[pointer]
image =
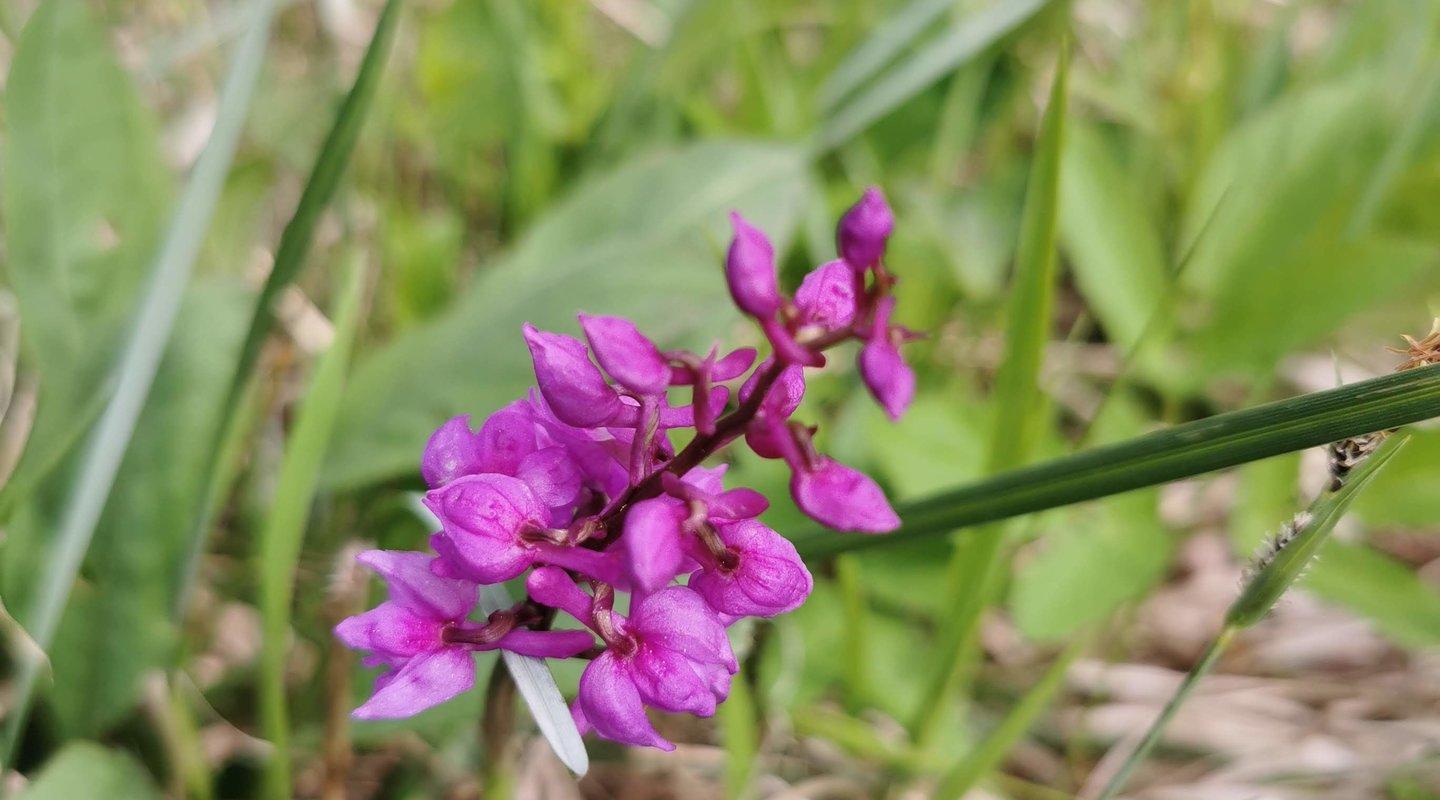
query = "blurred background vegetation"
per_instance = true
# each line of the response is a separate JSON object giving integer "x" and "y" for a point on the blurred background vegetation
{"x": 1248, "y": 188}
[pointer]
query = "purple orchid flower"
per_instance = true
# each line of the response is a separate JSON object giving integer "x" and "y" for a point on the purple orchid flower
{"x": 420, "y": 633}
{"x": 757, "y": 574}
{"x": 671, "y": 653}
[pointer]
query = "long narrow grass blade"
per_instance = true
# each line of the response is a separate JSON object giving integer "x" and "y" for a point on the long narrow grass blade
{"x": 1018, "y": 402}
{"x": 284, "y": 531}
{"x": 1262, "y": 590}
{"x": 532, "y": 677}
{"x": 139, "y": 359}
{"x": 295, "y": 242}
{"x": 1182, "y": 451}
{"x": 888, "y": 40}
{"x": 985, "y": 757}
{"x": 964, "y": 40}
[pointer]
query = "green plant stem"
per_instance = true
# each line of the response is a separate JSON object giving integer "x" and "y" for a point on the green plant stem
{"x": 984, "y": 758}
{"x": 138, "y": 362}
{"x": 1212, "y": 653}
{"x": 852, "y": 597}
{"x": 1262, "y": 590}
{"x": 284, "y": 531}
{"x": 975, "y": 571}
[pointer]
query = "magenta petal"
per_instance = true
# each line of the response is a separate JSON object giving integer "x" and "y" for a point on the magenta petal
{"x": 733, "y": 365}
{"x": 750, "y": 270}
{"x": 785, "y": 393}
{"x": 843, "y": 498}
{"x": 768, "y": 579}
{"x": 610, "y": 705}
{"x": 572, "y": 385}
{"x": 827, "y": 296}
{"x": 864, "y": 229}
{"x": 678, "y": 619}
{"x": 506, "y": 438}
{"x": 667, "y": 680}
{"x": 631, "y": 359}
{"x": 553, "y": 587}
{"x": 428, "y": 679}
{"x": 552, "y": 476}
{"x": 545, "y": 644}
{"x": 652, "y": 542}
{"x": 737, "y": 504}
{"x": 453, "y": 450}
{"x": 483, "y": 517}
{"x": 390, "y": 631}
{"x": 414, "y": 586}
{"x": 887, "y": 376}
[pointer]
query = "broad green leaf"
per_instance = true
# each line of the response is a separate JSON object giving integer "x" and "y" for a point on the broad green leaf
{"x": 118, "y": 626}
{"x": 645, "y": 241}
{"x": 85, "y": 194}
{"x": 285, "y": 524}
{"x": 144, "y": 345}
{"x": 87, "y": 771}
{"x": 1110, "y": 235}
{"x": 961, "y": 41}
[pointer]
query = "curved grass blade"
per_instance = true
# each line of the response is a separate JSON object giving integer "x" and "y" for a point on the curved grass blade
{"x": 284, "y": 531}
{"x": 1260, "y": 594}
{"x": 139, "y": 359}
{"x": 1019, "y": 404}
{"x": 962, "y": 41}
{"x": 532, "y": 677}
{"x": 1182, "y": 451}
{"x": 289, "y": 258}
{"x": 880, "y": 48}
{"x": 987, "y": 755}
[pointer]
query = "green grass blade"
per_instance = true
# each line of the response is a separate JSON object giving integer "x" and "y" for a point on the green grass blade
{"x": 1018, "y": 402}
{"x": 1260, "y": 593}
{"x": 138, "y": 361}
{"x": 1182, "y": 451}
{"x": 289, "y": 259}
{"x": 984, "y": 758}
{"x": 893, "y": 37}
{"x": 1274, "y": 578}
{"x": 962, "y": 41}
{"x": 284, "y": 531}
{"x": 1192, "y": 679}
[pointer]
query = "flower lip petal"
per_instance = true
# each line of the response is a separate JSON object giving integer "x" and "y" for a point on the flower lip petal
{"x": 427, "y": 680}
{"x": 414, "y": 586}
{"x": 609, "y": 704}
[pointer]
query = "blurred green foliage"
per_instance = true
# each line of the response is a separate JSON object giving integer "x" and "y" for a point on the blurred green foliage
{"x": 1241, "y": 186}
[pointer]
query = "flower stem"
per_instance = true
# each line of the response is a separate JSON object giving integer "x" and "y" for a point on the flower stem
{"x": 1207, "y": 660}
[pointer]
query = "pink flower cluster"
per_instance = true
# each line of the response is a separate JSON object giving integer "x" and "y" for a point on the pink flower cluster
{"x": 579, "y": 484}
